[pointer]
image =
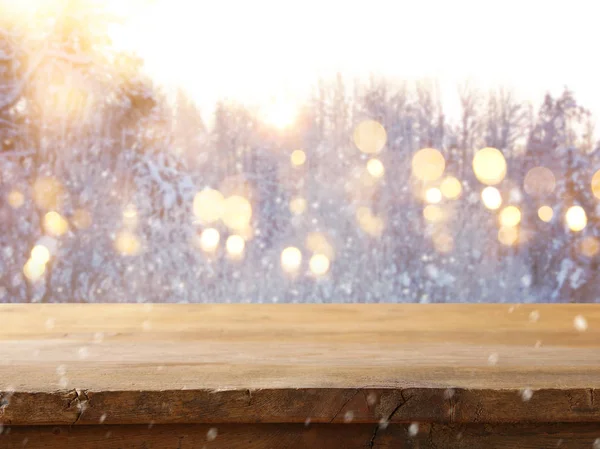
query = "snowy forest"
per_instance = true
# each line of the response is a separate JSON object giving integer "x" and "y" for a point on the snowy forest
{"x": 111, "y": 190}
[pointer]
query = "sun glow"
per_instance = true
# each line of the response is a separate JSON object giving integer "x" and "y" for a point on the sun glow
{"x": 250, "y": 74}
{"x": 280, "y": 114}
{"x": 184, "y": 45}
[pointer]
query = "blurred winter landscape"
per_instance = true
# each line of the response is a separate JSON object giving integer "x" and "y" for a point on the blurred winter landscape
{"x": 114, "y": 188}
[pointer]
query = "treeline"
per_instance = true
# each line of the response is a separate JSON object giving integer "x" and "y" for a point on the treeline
{"x": 99, "y": 172}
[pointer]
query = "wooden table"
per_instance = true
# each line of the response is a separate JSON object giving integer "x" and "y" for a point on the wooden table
{"x": 299, "y": 376}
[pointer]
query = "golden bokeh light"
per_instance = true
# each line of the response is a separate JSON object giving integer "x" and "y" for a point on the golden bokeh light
{"x": 375, "y": 168}
{"x": 539, "y": 181}
{"x": 443, "y": 242}
{"x": 316, "y": 242}
{"x": 319, "y": 264}
{"x": 428, "y": 164}
{"x": 40, "y": 254}
{"x": 545, "y": 213}
{"x": 491, "y": 198}
{"x": 130, "y": 211}
{"x": 370, "y": 136}
{"x": 237, "y": 212}
{"x": 297, "y": 205}
{"x": 291, "y": 259}
{"x": 368, "y": 222}
{"x": 54, "y": 224}
{"x": 433, "y": 214}
{"x": 130, "y": 216}
{"x": 451, "y": 187}
{"x": 47, "y": 193}
{"x": 489, "y": 166}
{"x": 576, "y": 218}
{"x": 596, "y": 184}
{"x": 82, "y": 219}
{"x": 235, "y": 246}
{"x": 209, "y": 240}
{"x": 510, "y": 216}
{"x": 508, "y": 235}
{"x": 33, "y": 271}
{"x": 208, "y": 206}
{"x": 298, "y": 158}
{"x": 589, "y": 246}
{"x": 433, "y": 195}
{"x": 127, "y": 243}
{"x": 15, "y": 199}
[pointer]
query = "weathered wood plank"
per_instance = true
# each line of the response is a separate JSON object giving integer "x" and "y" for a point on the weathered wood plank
{"x": 299, "y": 436}
{"x": 296, "y": 405}
{"x": 66, "y": 364}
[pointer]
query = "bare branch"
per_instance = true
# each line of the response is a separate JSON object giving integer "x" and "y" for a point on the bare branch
{"x": 15, "y": 96}
{"x": 10, "y": 154}
{"x": 75, "y": 59}
{"x": 7, "y": 123}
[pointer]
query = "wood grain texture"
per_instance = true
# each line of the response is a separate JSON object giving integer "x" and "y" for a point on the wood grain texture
{"x": 68, "y": 364}
{"x": 296, "y": 405}
{"x": 298, "y": 436}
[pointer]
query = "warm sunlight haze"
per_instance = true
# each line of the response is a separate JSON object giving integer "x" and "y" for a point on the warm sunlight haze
{"x": 272, "y": 52}
{"x": 266, "y": 56}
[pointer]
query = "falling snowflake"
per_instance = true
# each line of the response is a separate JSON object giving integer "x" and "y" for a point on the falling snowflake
{"x": 98, "y": 337}
{"x": 50, "y": 323}
{"x": 526, "y": 394}
{"x": 212, "y": 433}
{"x": 371, "y": 398}
{"x": 580, "y": 323}
{"x": 413, "y": 429}
{"x": 83, "y": 352}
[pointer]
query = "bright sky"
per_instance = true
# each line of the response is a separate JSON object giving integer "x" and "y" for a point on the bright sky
{"x": 253, "y": 49}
